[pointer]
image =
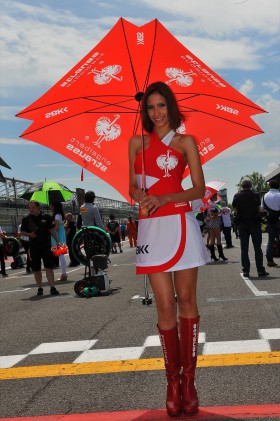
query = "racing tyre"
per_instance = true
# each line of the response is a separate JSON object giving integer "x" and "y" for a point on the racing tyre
{"x": 90, "y": 241}
{"x": 11, "y": 246}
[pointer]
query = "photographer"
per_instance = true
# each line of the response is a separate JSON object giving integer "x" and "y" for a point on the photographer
{"x": 246, "y": 204}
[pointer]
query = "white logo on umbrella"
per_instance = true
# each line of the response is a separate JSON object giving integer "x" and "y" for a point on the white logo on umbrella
{"x": 179, "y": 76}
{"x": 105, "y": 75}
{"x": 167, "y": 162}
{"x": 107, "y": 130}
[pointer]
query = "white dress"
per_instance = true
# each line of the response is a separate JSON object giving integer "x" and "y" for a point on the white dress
{"x": 170, "y": 239}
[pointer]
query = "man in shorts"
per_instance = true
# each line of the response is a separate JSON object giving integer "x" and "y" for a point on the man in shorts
{"x": 39, "y": 228}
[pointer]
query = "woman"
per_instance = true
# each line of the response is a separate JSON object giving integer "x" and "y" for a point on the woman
{"x": 169, "y": 238}
{"x": 58, "y": 218}
{"x": 70, "y": 231}
{"x": 214, "y": 226}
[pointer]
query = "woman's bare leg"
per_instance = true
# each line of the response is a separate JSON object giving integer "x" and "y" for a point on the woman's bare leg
{"x": 162, "y": 286}
{"x": 185, "y": 282}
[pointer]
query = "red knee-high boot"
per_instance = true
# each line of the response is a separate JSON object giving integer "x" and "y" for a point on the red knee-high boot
{"x": 171, "y": 352}
{"x": 189, "y": 329}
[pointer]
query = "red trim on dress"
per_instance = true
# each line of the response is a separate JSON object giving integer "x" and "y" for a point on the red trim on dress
{"x": 141, "y": 270}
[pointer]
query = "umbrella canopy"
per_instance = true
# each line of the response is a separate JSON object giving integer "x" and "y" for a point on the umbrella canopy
{"x": 46, "y": 192}
{"x": 90, "y": 113}
{"x": 211, "y": 188}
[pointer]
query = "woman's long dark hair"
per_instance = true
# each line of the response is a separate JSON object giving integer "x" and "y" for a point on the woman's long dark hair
{"x": 57, "y": 208}
{"x": 174, "y": 114}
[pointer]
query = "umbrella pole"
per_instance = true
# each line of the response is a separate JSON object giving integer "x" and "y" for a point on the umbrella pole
{"x": 148, "y": 297}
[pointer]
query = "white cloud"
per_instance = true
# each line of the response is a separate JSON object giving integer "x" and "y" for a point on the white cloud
{"x": 55, "y": 165}
{"x": 8, "y": 112}
{"x": 19, "y": 142}
{"x": 272, "y": 86}
{"x": 270, "y": 123}
{"x": 220, "y": 18}
{"x": 44, "y": 46}
{"x": 47, "y": 43}
{"x": 240, "y": 54}
{"x": 271, "y": 166}
{"x": 247, "y": 87}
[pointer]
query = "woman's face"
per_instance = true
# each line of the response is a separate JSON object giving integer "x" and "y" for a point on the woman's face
{"x": 157, "y": 110}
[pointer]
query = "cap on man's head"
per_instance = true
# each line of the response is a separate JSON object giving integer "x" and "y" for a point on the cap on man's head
{"x": 246, "y": 182}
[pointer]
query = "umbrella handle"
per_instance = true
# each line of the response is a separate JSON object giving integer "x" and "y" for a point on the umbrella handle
{"x": 144, "y": 188}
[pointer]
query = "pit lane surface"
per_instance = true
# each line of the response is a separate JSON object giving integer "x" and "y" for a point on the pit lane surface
{"x": 75, "y": 358}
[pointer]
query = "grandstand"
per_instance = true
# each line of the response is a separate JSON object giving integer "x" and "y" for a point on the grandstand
{"x": 13, "y": 208}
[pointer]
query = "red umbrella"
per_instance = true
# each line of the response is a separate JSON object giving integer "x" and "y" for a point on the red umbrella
{"x": 90, "y": 113}
{"x": 211, "y": 188}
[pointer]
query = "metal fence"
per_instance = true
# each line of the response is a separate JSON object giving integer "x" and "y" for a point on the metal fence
{"x": 13, "y": 208}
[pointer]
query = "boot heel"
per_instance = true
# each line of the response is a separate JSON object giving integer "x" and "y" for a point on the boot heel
{"x": 212, "y": 253}
{"x": 221, "y": 253}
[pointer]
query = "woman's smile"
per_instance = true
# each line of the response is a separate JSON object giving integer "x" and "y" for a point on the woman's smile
{"x": 157, "y": 110}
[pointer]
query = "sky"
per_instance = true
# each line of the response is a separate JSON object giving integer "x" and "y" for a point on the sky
{"x": 42, "y": 40}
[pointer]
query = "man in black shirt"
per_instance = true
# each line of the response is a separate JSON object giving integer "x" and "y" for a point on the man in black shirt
{"x": 39, "y": 228}
{"x": 113, "y": 228}
{"x": 246, "y": 204}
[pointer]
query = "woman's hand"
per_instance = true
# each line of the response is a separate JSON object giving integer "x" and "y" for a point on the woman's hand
{"x": 152, "y": 202}
{"x": 139, "y": 195}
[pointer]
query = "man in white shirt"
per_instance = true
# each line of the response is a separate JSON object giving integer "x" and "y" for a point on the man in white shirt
{"x": 271, "y": 205}
{"x": 227, "y": 223}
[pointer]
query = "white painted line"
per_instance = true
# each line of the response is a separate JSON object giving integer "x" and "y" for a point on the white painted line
{"x": 15, "y": 290}
{"x": 9, "y": 361}
{"x": 255, "y": 290}
{"x": 201, "y": 337}
{"x": 136, "y": 297}
{"x": 71, "y": 346}
{"x": 155, "y": 341}
{"x": 152, "y": 341}
{"x": 252, "y": 287}
{"x": 269, "y": 333}
{"x": 236, "y": 347}
{"x": 116, "y": 354}
{"x": 124, "y": 264}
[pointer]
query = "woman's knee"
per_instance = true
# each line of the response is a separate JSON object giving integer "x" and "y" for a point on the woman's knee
{"x": 167, "y": 308}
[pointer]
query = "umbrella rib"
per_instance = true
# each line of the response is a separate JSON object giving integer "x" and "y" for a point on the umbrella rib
{"x": 136, "y": 121}
{"x": 127, "y": 110}
{"x": 192, "y": 95}
{"x": 151, "y": 58}
{"x": 75, "y": 99}
{"x": 222, "y": 118}
{"x": 130, "y": 59}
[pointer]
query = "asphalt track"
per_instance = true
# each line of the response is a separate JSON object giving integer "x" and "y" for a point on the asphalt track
{"x": 69, "y": 358}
